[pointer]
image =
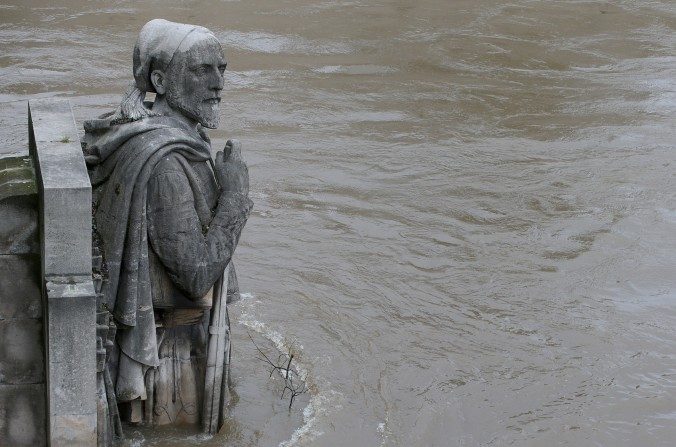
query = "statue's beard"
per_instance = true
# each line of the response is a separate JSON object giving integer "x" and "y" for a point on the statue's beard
{"x": 204, "y": 112}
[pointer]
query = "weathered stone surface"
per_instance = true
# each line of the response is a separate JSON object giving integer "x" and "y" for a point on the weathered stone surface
{"x": 65, "y": 188}
{"x": 21, "y": 351}
{"x": 19, "y": 225}
{"x": 13, "y": 129}
{"x": 22, "y": 368}
{"x": 168, "y": 219}
{"x": 22, "y": 415}
{"x": 80, "y": 286}
{"x": 67, "y": 231}
{"x": 17, "y": 176}
{"x": 65, "y": 219}
{"x": 20, "y": 295}
{"x": 70, "y": 430}
{"x": 72, "y": 361}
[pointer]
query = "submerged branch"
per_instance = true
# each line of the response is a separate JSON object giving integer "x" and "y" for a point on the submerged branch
{"x": 295, "y": 389}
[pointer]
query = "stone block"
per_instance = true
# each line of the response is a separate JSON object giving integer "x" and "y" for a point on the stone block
{"x": 65, "y": 201}
{"x": 67, "y": 231}
{"x": 71, "y": 313}
{"x": 19, "y": 225}
{"x": 69, "y": 430}
{"x": 21, "y": 351}
{"x": 20, "y": 294}
{"x": 22, "y": 415}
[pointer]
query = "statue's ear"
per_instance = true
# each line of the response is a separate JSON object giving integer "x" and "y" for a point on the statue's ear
{"x": 159, "y": 81}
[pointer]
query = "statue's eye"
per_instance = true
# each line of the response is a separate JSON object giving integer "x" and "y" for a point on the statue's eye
{"x": 222, "y": 67}
{"x": 201, "y": 69}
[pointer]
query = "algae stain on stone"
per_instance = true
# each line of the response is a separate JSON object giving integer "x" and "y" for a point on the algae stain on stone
{"x": 17, "y": 177}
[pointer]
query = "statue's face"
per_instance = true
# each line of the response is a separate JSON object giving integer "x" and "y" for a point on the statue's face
{"x": 195, "y": 81}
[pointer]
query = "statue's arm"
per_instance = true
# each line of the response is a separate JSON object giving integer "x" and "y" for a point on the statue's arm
{"x": 194, "y": 257}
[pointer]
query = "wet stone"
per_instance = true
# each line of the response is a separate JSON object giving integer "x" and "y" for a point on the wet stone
{"x": 21, "y": 351}
{"x": 19, "y": 287}
{"x": 18, "y": 229}
{"x": 69, "y": 305}
{"x": 22, "y": 415}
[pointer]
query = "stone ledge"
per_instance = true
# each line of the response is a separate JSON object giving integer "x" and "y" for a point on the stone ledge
{"x": 69, "y": 287}
{"x": 17, "y": 177}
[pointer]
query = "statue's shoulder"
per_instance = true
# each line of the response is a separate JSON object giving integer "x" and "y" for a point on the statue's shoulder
{"x": 169, "y": 164}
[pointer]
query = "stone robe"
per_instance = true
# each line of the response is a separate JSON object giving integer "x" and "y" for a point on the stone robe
{"x": 167, "y": 234}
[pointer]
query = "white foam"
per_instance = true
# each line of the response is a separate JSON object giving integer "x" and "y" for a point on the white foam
{"x": 383, "y": 431}
{"x": 367, "y": 69}
{"x": 320, "y": 402}
{"x": 668, "y": 215}
{"x": 246, "y": 296}
{"x": 318, "y": 407}
{"x": 260, "y": 42}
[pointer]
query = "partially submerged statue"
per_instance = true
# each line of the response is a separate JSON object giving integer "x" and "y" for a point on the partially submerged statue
{"x": 167, "y": 219}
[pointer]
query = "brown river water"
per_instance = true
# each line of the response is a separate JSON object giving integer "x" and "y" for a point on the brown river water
{"x": 465, "y": 218}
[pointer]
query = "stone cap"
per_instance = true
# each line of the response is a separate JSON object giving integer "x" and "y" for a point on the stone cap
{"x": 64, "y": 187}
{"x": 54, "y": 132}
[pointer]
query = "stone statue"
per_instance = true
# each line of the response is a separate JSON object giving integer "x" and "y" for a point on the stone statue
{"x": 167, "y": 220}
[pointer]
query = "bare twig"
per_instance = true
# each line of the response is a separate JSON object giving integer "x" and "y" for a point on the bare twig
{"x": 295, "y": 389}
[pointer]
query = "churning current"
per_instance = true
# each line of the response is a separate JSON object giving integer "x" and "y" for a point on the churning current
{"x": 465, "y": 218}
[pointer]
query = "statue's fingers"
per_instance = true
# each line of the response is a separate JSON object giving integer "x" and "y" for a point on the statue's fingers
{"x": 219, "y": 158}
{"x": 236, "y": 151}
{"x": 228, "y": 150}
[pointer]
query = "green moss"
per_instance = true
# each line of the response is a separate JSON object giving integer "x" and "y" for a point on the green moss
{"x": 17, "y": 177}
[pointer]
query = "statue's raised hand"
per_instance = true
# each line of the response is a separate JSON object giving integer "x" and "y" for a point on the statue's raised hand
{"x": 231, "y": 170}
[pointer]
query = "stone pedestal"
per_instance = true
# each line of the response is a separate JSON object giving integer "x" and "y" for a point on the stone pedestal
{"x": 68, "y": 293}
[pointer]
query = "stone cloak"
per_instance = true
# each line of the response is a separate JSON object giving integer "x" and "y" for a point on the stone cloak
{"x": 122, "y": 158}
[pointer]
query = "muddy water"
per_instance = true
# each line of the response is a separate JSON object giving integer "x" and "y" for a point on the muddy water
{"x": 465, "y": 214}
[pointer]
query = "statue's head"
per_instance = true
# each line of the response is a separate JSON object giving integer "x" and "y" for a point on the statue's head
{"x": 183, "y": 64}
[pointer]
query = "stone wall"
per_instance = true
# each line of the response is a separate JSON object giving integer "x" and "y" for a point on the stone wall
{"x": 22, "y": 352}
{"x": 47, "y": 298}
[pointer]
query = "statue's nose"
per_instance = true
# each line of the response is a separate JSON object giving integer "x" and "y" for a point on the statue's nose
{"x": 219, "y": 81}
